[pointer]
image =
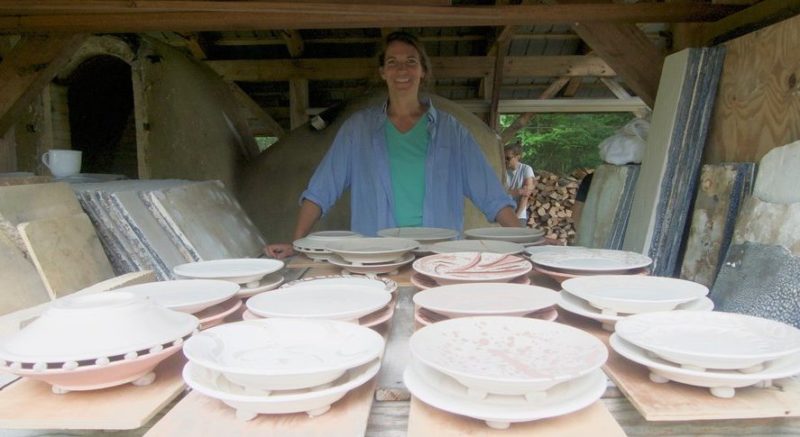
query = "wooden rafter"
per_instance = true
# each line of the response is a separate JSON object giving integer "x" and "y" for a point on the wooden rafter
{"x": 572, "y": 86}
{"x": 202, "y": 15}
{"x": 497, "y": 78}
{"x": 262, "y": 123}
{"x": 294, "y": 42}
{"x": 755, "y": 17}
{"x": 523, "y": 120}
{"x": 615, "y": 88}
{"x": 195, "y": 43}
{"x": 298, "y": 102}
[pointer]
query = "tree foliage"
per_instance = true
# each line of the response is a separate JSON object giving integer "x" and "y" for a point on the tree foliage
{"x": 562, "y": 142}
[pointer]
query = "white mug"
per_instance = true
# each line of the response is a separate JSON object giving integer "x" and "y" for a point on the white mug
{"x": 63, "y": 163}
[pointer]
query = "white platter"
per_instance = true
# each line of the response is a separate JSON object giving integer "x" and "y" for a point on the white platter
{"x": 333, "y": 302}
{"x": 284, "y": 354}
{"x": 499, "y": 299}
{"x": 215, "y": 315}
{"x": 371, "y": 269}
{"x": 239, "y": 270}
{"x": 632, "y": 294}
{"x": 491, "y": 246}
{"x": 420, "y": 234}
{"x": 378, "y": 250}
{"x": 575, "y": 305}
{"x": 459, "y": 267}
{"x": 248, "y": 406}
{"x": 515, "y": 235}
{"x": 185, "y": 295}
{"x": 96, "y": 326}
{"x": 324, "y": 236}
{"x": 267, "y": 283}
{"x": 583, "y": 259}
{"x": 507, "y": 355}
{"x": 721, "y": 382}
{"x": 425, "y": 317}
{"x": 444, "y": 393}
{"x": 385, "y": 283}
{"x": 714, "y": 340}
{"x": 423, "y": 282}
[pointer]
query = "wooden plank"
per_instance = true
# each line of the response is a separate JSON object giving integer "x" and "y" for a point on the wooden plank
{"x": 755, "y": 17}
{"x": 28, "y": 67}
{"x": 501, "y": 49}
{"x": 595, "y": 420}
{"x": 397, "y": 354}
{"x": 294, "y": 42}
{"x": 260, "y": 122}
{"x": 298, "y": 102}
{"x": 19, "y": 280}
{"x": 679, "y": 402}
{"x": 28, "y": 404}
{"x": 557, "y": 105}
{"x": 629, "y": 52}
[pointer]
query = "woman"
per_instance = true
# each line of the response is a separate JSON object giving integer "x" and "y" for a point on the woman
{"x": 520, "y": 181}
{"x": 406, "y": 163}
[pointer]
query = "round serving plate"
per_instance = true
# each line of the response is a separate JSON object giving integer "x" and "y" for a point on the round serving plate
{"x": 423, "y": 282}
{"x": 491, "y": 246}
{"x": 378, "y": 250}
{"x": 515, "y": 235}
{"x": 577, "y": 260}
{"x": 426, "y": 317}
{"x": 385, "y": 283}
{"x": 215, "y": 315}
{"x": 630, "y": 294}
{"x": 324, "y": 236}
{"x": 332, "y": 302}
{"x": 239, "y": 270}
{"x": 560, "y": 276}
{"x": 498, "y": 299}
{"x": 267, "y": 283}
{"x": 459, "y": 267}
{"x": 371, "y": 269}
{"x": 184, "y": 295}
{"x": 420, "y": 234}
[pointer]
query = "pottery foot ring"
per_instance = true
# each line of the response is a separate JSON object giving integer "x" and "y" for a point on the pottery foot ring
{"x": 146, "y": 379}
{"x": 723, "y": 392}
{"x": 318, "y": 411}
{"x": 497, "y": 425}
{"x": 658, "y": 379}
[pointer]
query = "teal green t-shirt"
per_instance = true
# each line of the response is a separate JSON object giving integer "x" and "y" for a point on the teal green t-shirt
{"x": 407, "y": 154}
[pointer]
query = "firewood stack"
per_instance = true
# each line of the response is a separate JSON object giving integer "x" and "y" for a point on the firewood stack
{"x": 550, "y": 207}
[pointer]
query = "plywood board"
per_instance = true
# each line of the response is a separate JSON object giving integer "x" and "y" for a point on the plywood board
{"x": 66, "y": 252}
{"x": 678, "y": 402}
{"x": 604, "y": 217}
{"x": 595, "y": 420}
{"x": 28, "y": 404}
{"x": 20, "y": 285}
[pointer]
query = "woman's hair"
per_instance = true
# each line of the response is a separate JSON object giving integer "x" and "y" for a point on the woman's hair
{"x": 411, "y": 40}
{"x": 515, "y": 148}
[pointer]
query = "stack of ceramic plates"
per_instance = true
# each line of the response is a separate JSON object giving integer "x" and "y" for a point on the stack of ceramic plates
{"x": 210, "y": 300}
{"x": 281, "y": 366}
{"x": 524, "y": 236}
{"x": 388, "y": 284}
{"x": 247, "y": 272}
{"x": 484, "y": 299}
{"x": 96, "y": 341}
{"x": 424, "y": 236}
{"x": 567, "y": 262}
{"x": 490, "y": 246}
{"x": 505, "y": 369}
{"x": 362, "y": 302}
{"x": 466, "y": 267}
{"x": 315, "y": 244}
{"x": 372, "y": 256}
{"x": 608, "y": 298}
{"x": 720, "y": 351}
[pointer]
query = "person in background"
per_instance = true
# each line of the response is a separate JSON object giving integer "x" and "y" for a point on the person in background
{"x": 520, "y": 181}
{"x": 405, "y": 162}
{"x": 580, "y": 197}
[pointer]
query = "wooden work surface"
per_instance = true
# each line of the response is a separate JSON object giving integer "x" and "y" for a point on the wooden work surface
{"x": 28, "y": 404}
{"x": 595, "y": 420}
{"x": 679, "y": 402}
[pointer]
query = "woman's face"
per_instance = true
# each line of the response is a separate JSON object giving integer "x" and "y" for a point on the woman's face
{"x": 512, "y": 160}
{"x": 402, "y": 68}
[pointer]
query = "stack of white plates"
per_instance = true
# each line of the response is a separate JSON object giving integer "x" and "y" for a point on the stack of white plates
{"x": 720, "y": 351}
{"x": 372, "y": 255}
{"x": 524, "y": 236}
{"x": 96, "y": 341}
{"x": 484, "y": 299}
{"x": 424, "y": 236}
{"x": 465, "y": 267}
{"x": 247, "y": 272}
{"x": 314, "y": 245}
{"x": 281, "y": 366}
{"x": 567, "y": 262}
{"x": 608, "y": 298}
{"x": 505, "y": 369}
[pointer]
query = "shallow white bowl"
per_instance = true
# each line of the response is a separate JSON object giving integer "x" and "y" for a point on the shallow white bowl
{"x": 632, "y": 294}
{"x": 239, "y": 270}
{"x": 460, "y": 267}
{"x": 185, "y": 295}
{"x": 88, "y": 327}
{"x": 284, "y": 354}
{"x": 499, "y": 299}
{"x": 247, "y": 405}
{"x": 372, "y": 250}
{"x": 325, "y": 236}
{"x": 515, "y": 235}
{"x": 332, "y": 302}
{"x": 507, "y": 355}
{"x": 577, "y": 260}
{"x": 491, "y": 246}
{"x": 420, "y": 234}
{"x": 384, "y": 283}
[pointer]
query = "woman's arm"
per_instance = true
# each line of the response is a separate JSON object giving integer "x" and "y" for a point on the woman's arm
{"x": 507, "y": 218}
{"x": 527, "y": 189}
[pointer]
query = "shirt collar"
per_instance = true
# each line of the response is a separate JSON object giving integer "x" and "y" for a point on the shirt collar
{"x": 432, "y": 113}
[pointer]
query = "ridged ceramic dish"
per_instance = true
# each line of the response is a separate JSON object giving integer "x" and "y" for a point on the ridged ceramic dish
{"x": 371, "y": 269}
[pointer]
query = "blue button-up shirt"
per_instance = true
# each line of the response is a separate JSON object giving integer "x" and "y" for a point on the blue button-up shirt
{"x": 455, "y": 168}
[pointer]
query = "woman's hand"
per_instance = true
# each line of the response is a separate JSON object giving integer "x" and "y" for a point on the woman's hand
{"x": 279, "y": 250}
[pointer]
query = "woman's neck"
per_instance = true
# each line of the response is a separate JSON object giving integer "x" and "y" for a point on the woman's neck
{"x": 404, "y": 113}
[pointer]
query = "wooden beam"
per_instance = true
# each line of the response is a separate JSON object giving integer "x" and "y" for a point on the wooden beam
{"x": 538, "y": 106}
{"x": 523, "y": 120}
{"x": 298, "y": 102}
{"x": 572, "y": 87}
{"x": 261, "y": 123}
{"x": 210, "y": 15}
{"x": 195, "y": 43}
{"x": 501, "y": 48}
{"x": 294, "y": 42}
{"x": 629, "y": 52}
{"x": 28, "y": 68}
{"x": 615, "y": 88}
{"x": 759, "y": 15}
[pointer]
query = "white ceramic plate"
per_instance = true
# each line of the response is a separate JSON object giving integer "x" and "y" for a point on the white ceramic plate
{"x": 94, "y": 326}
{"x": 333, "y": 302}
{"x": 722, "y": 382}
{"x": 507, "y": 355}
{"x": 632, "y": 294}
{"x": 515, "y": 235}
{"x": 421, "y": 235}
{"x": 267, "y": 283}
{"x": 371, "y": 269}
{"x": 240, "y": 270}
{"x": 372, "y": 250}
{"x": 215, "y": 315}
{"x": 575, "y": 305}
{"x": 714, "y": 340}
{"x": 284, "y": 354}
{"x": 500, "y": 299}
{"x": 185, "y": 295}
{"x": 583, "y": 259}
{"x": 491, "y": 246}
{"x": 423, "y": 282}
{"x": 444, "y": 393}
{"x": 459, "y": 267}
{"x": 425, "y": 317}
{"x": 384, "y": 283}
{"x": 332, "y": 235}
{"x": 314, "y": 402}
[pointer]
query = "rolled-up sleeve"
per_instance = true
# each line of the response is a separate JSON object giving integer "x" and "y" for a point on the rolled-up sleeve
{"x": 332, "y": 176}
{"x": 480, "y": 182}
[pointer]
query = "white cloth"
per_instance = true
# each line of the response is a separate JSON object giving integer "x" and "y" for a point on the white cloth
{"x": 515, "y": 179}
